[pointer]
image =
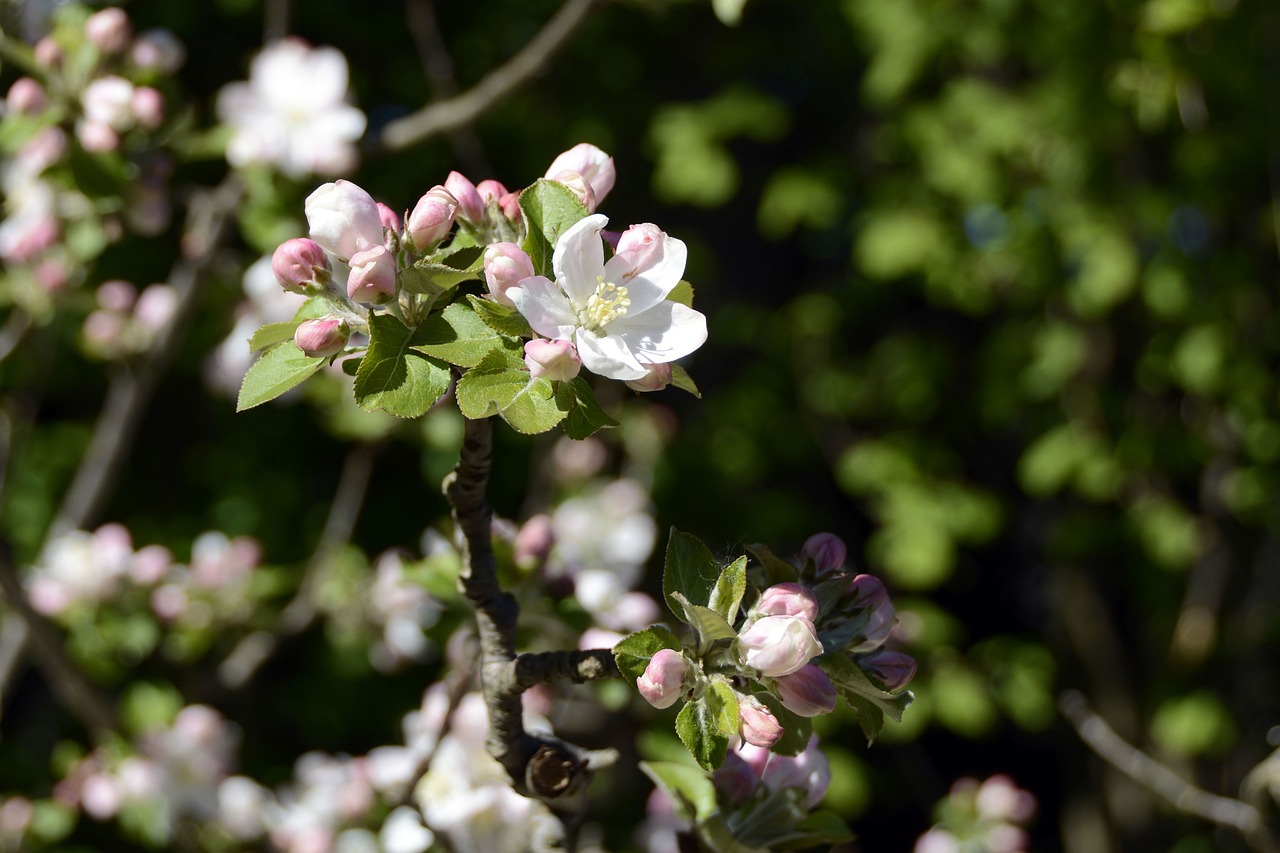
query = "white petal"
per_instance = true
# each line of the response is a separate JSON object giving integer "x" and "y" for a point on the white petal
{"x": 578, "y": 259}
{"x": 545, "y": 307}
{"x": 608, "y": 356}
{"x": 665, "y": 332}
{"x": 648, "y": 288}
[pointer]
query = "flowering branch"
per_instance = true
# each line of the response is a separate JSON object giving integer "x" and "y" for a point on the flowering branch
{"x": 453, "y": 113}
{"x": 1156, "y": 777}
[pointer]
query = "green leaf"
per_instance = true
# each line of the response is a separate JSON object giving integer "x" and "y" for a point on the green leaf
{"x": 716, "y": 835}
{"x": 395, "y": 378}
{"x": 682, "y": 380}
{"x": 775, "y": 569}
{"x": 457, "y": 335}
{"x": 585, "y": 415}
{"x": 696, "y": 727}
{"x": 722, "y": 702}
{"x": 729, "y": 589}
{"x": 693, "y": 794}
{"x": 634, "y": 651}
{"x": 351, "y": 366}
{"x": 682, "y": 293}
{"x": 497, "y": 386}
{"x": 550, "y": 209}
{"x": 276, "y": 371}
{"x": 819, "y": 828}
{"x": 272, "y": 334}
{"x": 709, "y": 627}
{"x": 433, "y": 279}
{"x": 690, "y": 569}
{"x": 503, "y": 319}
{"x": 867, "y": 700}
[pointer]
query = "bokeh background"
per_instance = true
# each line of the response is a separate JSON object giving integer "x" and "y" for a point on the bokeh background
{"x": 991, "y": 290}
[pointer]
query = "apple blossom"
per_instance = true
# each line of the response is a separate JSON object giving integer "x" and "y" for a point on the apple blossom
{"x": 826, "y": 550}
{"x": 505, "y": 266}
{"x": 322, "y": 337}
{"x": 595, "y": 167}
{"x": 758, "y": 725}
{"x": 470, "y": 204}
{"x": 616, "y": 313}
{"x": 48, "y": 53}
{"x": 787, "y": 599}
{"x": 807, "y": 692}
{"x": 155, "y": 308}
{"x": 553, "y": 360}
{"x": 109, "y": 30}
{"x": 343, "y": 218}
{"x": 869, "y": 595}
{"x": 779, "y": 645}
{"x": 109, "y": 100}
{"x": 662, "y": 682}
{"x": 432, "y": 217}
{"x": 300, "y": 264}
{"x": 373, "y": 274}
{"x": 116, "y": 295}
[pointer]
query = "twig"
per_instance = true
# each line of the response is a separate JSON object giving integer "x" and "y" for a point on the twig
{"x": 544, "y": 768}
{"x": 250, "y": 653}
{"x": 1154, "y": 776}
{"x": 459, "y": 111}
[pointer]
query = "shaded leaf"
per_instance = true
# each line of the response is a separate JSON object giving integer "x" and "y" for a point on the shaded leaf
{"x": 585, "y": 415}
{"x": 693, "y": 794}
{"x": 708, "y": 626}
{"x": 696, "y": 727}
{"x": 503, "y": 319}
{"x": 690, "y": 568}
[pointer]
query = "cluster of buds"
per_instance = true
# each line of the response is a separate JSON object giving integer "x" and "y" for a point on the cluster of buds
{"x": 980, "y": 816}
{"x": 126, "y": 322}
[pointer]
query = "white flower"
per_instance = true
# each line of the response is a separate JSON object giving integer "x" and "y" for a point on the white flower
{"x": 292, "y": 113}
{"x": 615, "y": 313}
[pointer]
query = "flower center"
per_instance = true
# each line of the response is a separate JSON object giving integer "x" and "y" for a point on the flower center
{"x": 607, "y": 304}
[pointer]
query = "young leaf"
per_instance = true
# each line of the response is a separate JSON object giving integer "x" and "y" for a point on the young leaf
{"x": 497, "y": 386}
{"x": 690, "y": 569}
{"x": 723, "y": 705}
{"x": 634, "y": 651}
{"x": 858, "y": 690}
{"x": 693, "y": 794}
{"x": 457, "y": 335}
{"x": 395, "y": 378}
{"x": 276, "y": 371}
{"x": 433, "y": 279}
{"x": 550, "y": 209}
{"x": 697, "y": 730}
{"x": 682, "y": 380}
{"x": 272, "y": 334}
{"x": 503, "y": 319}
{"x": 708, "y": 626}
{"x": 585, "y": 415}
{"x": 729, "y": 589}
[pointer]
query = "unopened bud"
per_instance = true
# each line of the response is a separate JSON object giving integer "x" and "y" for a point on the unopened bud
{"x": 658, "y": 377}
{"x": 109, "y": 30}
{"x": 323, "y": 337}
{"x": 662, "y": 682}
{"x": 109, "y": 100}
{"x": 147, "y": 107}
{"x": 810, "y": 771}
{"x": 48, "y": 53}
{"x": 116, "y": 295}
{"x": 300, "y": 265}
{"x": 878, "y": 616}
{"x": 26, "y": 97}
{"x": 158, "y": 50}
{"x": 894, "y": 670}
{"x": 97, "y": 137}
{"x": 579, "y": 187}
{"x": 509, "y": 204}
{"x": 641, "y": 247}
{"x": 787, "y": 599}
{"x": 432, "y": 217}
{"x": 388, "y": 218}
{"x": 779, "y": 645}
{"x": 156, "y": 306}
{"x": 595, "y": 166}
{"x": 758, "y": 725}
{"x": 373, "y": 275}
{"x": 807, "y": 692}
{"x": 470, "y": 205}
{"x": 826, "y": 551}
{"x": 556, "y": 361}
{"x": 505, "y": 266}
{"x": 490, "y": 190}
{"x": 736, "y": 779}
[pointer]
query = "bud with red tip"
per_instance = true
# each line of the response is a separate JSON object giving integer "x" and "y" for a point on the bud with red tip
{"x": 662, "y": 682}
{"x": 505, "y": 266}
{"x": 323, "y": 337}
{"x": 300, "y": 265}
{"x": 470, "y": 205}
{"x": 432, "y": 217}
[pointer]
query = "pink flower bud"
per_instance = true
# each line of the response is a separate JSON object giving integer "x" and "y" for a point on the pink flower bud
{"x": 892, "y": 669}
{"x": 373, "y": 275}
{"x": 642, "y": 247}
{"x": 300, "y": 265}
{"x": 48, "y": 53}
{"x": 1000, "y": 799}
{"x": 96, "y": 136}
{"x": 432, "y": 217}
{"x": 109, "y": 100}
{"x": 591, "y": 163}
{"x": 807, "y": 692}
{"x": 470, "y": 205}
{"x": 578, "y": 186}
{"x": 554, "y": 360}
{"x": 878, "y": 616}
{"x": 388, "y": 218}
{"x": 505, "y": 266}
{"x": 323, "y": 337}
{"x": 109, "y": 30}
{"x": 658, "y": 377}
{"x": 156, "y": 306}
{"x": 26, "y": 97}
{"x": 158, "y": 50}
{"x": 150, "y": 565}
{"x": 491, "y": 190}
{"x": 759, "y": 726}
{"x": 787, "y": 599}
{"x": 116, "y": 295}
{"x": 663, "y": 680}
{"x": 826, "y": 550}
{"x": 779, "y": 645}
{"x": 148, "y": 107}
{"x": 343, "y": 218}
{"x": 534, "y": 541}
{"x": 510, "y": 206}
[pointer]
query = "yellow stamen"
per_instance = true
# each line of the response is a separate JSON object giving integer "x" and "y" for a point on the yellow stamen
{"x": 607, "y": 304}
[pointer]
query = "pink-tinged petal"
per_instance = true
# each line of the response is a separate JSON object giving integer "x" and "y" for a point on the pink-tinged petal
{"x": 608, "y": 356}
{"x": 343, "y": 218}
{"x": 548, "y": 311}
{"x": 665, "y": 332}
{"x": 656, "y": 275}
{"x": 590, "y": 162}
{"x": 578, "y": 259}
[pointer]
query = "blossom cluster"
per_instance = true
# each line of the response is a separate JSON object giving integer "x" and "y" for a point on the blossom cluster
{"x": 987, "y": 815}
{"x": 126, "y": 321}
